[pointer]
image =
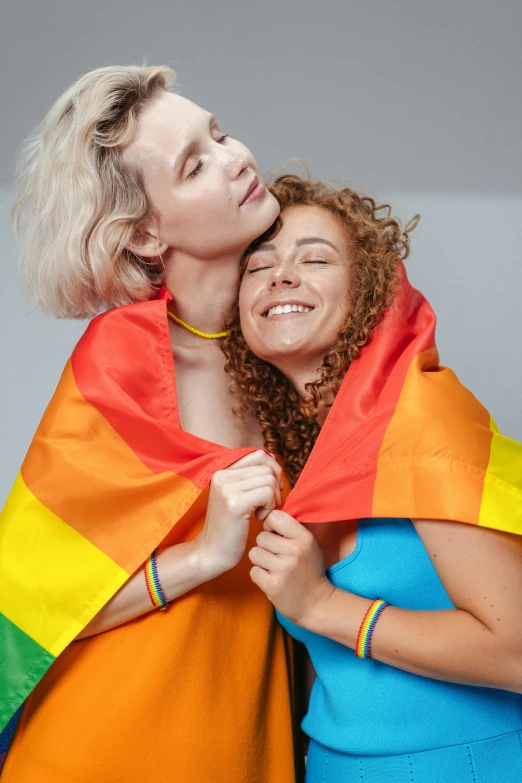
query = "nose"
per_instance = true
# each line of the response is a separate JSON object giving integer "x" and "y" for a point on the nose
{"x": 237, "y": 159}
{"x": 284, "y": 277}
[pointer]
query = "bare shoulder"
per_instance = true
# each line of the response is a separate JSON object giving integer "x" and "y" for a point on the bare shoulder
{"x": 479, "y": 567}
{"x": 439, "y": 535}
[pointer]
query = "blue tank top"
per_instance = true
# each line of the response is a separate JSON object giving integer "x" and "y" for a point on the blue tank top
{"x": 369, "y": 708}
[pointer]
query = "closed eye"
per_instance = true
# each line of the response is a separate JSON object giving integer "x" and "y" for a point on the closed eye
{"x": 195, "y": 171}
{"x": 315, "y": 261}
{"x": 257, "y": 269}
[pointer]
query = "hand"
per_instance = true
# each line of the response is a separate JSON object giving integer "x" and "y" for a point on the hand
{"x": 253, "y": 483}
{"x": 288, "y": 566}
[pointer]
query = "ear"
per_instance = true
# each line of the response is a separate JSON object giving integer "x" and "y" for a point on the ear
{"x": 146, "y": 241}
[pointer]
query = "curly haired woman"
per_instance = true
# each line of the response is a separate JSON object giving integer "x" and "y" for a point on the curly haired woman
{"x": 402, "y": 577}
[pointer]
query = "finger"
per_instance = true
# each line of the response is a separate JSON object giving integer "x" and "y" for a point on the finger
{"x": 274, "y": 499}
{"x": 282, "y": 523}
{"x": 238, "y": 474}
{"x": 270, "y": 502}
{"x": 259, "y": 457}
{"x": 260, "y": 577}
{"x": 272, "y": 542}
{"x": 262, "y": 500}
{"x": 234, "y": 482}
{"x": 263, "y": 559}
{"x": 254, "y": 482}
{"x": 276, "y": 468}
{"x": 279, "y": 475}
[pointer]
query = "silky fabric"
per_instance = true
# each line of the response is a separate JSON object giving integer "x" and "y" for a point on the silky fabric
{"x": 200, "y": 691}
{"x": 108, "y": 475}
{"x": 404, "y": 438}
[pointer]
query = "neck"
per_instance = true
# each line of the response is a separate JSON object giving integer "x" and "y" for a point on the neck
{"x": 301, "y": 373}
{"x": 203, "y": 290}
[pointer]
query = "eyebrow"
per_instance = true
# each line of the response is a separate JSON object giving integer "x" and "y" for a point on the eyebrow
{"x": 315, "y": 241}
{"x": 182, "y": 155}
{"x": 301, "y": 243}
{"x": 188, "y": 148}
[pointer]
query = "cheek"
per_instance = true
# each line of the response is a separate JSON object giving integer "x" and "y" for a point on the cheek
{"x": 256, "y": 331}
{"x": 337, "y": 297}
{"x": 252, "y": 338}
{"x": 202, "y": 205}
{"x": 199, "y": 214}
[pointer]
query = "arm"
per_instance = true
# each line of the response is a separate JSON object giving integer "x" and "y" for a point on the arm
{"x": 253, "y": 482}
{"x": 477, "y": 643}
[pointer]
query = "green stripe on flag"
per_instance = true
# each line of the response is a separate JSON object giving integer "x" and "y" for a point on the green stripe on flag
{"x": 23, "y": 663}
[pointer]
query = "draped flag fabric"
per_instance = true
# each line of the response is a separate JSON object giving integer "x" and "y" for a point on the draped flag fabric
{"x": 109, "y": 472}
{"x": 405, "y": 439}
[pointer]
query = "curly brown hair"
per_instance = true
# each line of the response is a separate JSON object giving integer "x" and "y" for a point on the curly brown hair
{"x": 377, "y": 240}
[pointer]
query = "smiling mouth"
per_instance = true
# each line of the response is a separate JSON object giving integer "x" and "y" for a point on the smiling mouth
{"x": 286, "y": 309}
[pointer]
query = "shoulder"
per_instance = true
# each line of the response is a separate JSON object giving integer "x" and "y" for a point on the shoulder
{"x": 122, "y": 325}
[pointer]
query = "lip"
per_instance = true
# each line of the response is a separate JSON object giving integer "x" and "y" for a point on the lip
{"x": 282, "y": 303}
{"x": 255, "y": 190}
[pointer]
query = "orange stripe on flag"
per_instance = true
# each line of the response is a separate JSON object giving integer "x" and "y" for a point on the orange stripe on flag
{"x": 435, "y": 452}
{"x": 107, "y": 487}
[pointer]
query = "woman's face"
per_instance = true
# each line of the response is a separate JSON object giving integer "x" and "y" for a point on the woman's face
{"x": 294, "y": 295}
{"x": 205, "y": 187}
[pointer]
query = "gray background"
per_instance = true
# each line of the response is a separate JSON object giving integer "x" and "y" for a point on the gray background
{"x": 418, "y": 103}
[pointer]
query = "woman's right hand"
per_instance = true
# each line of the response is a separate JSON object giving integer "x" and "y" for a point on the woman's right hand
{"x": 253, "y": 483}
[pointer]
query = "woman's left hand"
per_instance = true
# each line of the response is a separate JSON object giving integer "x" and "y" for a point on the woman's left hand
{"x": 288, "y": 566}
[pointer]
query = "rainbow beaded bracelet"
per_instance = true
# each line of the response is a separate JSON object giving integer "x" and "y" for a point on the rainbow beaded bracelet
{"x": 364, "y": 637}
{"x": 156, "y": 594}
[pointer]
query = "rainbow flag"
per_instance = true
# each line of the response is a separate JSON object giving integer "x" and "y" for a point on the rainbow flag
{"x": 108, "y": 474}
{"x": 110, "y": 471}
{"x": 405, "y": 439}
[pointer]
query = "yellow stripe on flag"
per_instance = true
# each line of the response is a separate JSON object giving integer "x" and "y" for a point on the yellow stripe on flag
{"x": 50, "y": 573}
{"x": 501, "y": 507}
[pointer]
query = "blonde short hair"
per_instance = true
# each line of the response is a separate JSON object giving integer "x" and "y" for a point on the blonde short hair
{"x": 77, "y": 205}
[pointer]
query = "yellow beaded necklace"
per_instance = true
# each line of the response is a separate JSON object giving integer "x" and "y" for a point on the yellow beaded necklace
{"x": 199, "y": 333}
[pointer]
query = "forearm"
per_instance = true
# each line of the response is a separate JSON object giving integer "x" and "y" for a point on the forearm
{"x": 450, "y": 645}
{"x": 253, "y": 482}
{"x": 181, "y": 568}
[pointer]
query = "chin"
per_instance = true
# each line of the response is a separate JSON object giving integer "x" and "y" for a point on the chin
{"x": 268, "y": 211}
{"x": 275, "y": 206}
{"x": 280, "y": 355}
{"x": 262, "y": 214}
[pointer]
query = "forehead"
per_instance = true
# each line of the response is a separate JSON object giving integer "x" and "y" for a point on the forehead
{"x": 309, "y": 221}
{"x": 165, "y": 126}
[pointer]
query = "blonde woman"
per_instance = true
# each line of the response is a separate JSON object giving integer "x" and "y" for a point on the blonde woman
{"x": 133, "y": 203}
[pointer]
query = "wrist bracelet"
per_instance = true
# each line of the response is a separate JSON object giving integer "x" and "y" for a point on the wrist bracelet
{"x": 154, "y": 589}
{"x": 364, "y": 637}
